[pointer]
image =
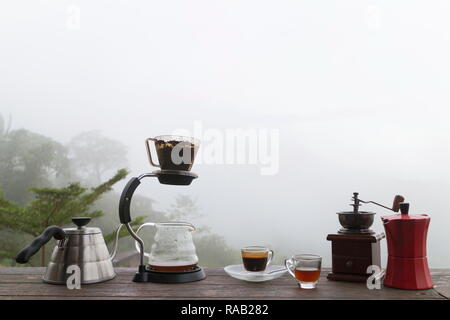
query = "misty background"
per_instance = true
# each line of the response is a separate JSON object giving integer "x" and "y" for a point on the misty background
{"x": 357, "y": 89}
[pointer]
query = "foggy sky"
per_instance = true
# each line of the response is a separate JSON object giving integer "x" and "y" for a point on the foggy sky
{"x": 358, "y": 90}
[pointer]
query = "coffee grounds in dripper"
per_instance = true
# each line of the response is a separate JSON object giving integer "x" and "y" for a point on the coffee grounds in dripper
{"x": 164, "y": 151}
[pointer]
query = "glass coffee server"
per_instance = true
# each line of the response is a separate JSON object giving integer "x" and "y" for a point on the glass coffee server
{"x": 173, "y": 256}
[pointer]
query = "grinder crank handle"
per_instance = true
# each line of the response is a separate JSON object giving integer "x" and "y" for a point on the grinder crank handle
{"x": 26, "y": 253}
{"x": 396, "y": 204}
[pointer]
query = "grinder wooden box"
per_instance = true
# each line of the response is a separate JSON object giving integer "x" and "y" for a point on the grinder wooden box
{"x": 352, "y": 254}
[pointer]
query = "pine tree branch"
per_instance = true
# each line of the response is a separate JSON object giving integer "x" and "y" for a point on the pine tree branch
{"x": 107, "y": 186}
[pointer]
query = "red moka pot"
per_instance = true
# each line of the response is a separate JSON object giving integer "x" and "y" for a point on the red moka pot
{"x": 406, "y": 235}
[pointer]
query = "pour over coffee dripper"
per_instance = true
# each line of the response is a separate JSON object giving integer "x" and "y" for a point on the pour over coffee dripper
{"x": 173, "y": 152}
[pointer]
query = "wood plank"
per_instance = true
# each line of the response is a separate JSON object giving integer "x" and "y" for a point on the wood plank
{"x": 130, "y": 271}
{"x": 22, "y": 270}
{"x": 443, "y": 291}
{"x": 230, "y": 291}
{"x": 26, "y": 283}
{"x": 211, "y": 271}
{"x": 152, "y": 291}
{"x": 122, "y": 279}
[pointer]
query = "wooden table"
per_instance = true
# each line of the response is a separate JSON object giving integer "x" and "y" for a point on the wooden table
{"x": 26, "y": 283}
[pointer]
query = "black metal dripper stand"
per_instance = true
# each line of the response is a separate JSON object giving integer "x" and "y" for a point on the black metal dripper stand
{"x": 145, "y": 274}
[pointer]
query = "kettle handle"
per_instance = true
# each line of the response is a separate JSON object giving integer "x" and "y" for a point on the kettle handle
{"x": 26, "y": 253}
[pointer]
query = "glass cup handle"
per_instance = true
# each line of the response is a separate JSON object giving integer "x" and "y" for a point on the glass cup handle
{"x": 269, "y": 260}
{"x": 288, "y": 263}
{"x": 149, "y": 153}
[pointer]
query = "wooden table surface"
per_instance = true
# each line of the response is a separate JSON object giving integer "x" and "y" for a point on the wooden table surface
{"x": 26, "y": 283}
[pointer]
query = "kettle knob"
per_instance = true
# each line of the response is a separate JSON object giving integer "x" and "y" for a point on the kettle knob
{"x": 80, "y": 222}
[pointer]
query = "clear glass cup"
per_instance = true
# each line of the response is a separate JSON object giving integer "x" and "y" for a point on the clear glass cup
{"x": 305, "y": 268}
{"x": 256, "y": 258}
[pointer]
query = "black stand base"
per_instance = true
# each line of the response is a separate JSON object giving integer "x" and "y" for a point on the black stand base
{"x": 196, "y": 274}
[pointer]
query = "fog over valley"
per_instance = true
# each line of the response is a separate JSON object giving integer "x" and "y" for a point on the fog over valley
{"x": 297, "y": 105}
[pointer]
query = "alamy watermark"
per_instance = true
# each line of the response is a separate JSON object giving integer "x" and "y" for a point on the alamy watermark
{"x": 237, "y": 146}
{"x": 73, "y": 17}
{"x": 74, "y": 280}
{"x": 374, "y": 280}
{"x": 373, "y": 17}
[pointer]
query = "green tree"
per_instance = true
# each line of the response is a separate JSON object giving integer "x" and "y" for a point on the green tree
{"x": 27, "y": 160}
{"x": 184, "y": 207}
{"x": 4, "y": 128}
{"x": 52, "y": 206}
{"x": 94, "y": 155}
{"x": 212, "y": 249}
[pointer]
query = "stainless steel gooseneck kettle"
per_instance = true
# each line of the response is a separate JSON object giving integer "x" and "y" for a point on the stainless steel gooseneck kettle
{"x": 82, "y": 246}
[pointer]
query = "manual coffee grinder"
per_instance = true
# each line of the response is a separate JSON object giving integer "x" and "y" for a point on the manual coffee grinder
{"x": 173, "y": 242}
{"x": 355, "y": 246}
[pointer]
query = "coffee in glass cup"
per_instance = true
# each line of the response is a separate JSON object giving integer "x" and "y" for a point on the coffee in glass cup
{"x": 305, "y": 268}
{"x": 256, "y": 258}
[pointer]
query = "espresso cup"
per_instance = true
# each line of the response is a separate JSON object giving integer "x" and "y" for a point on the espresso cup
{"x": 173, "y": 152}
{"x": 256, "y": 258}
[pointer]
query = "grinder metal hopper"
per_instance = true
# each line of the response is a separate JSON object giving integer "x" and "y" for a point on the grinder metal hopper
{"x": 359, "y": 222}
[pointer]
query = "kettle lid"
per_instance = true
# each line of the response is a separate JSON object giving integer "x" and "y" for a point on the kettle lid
{"x": 81, "y": 228}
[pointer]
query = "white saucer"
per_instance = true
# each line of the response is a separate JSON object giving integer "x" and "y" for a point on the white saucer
{"x": 237, "y": 271}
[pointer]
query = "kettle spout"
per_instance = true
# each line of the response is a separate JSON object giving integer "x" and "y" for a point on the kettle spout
{"x": 116, "y": 243}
